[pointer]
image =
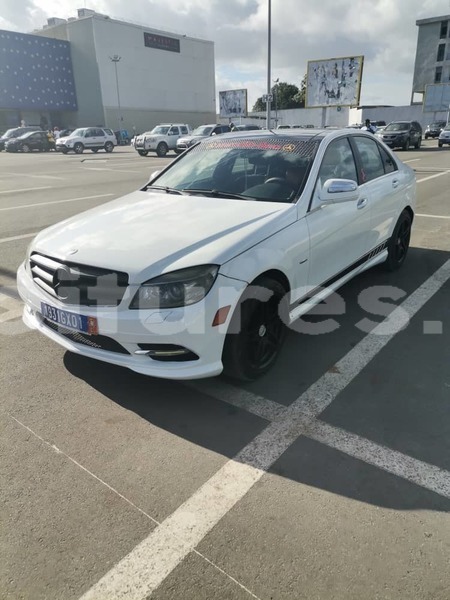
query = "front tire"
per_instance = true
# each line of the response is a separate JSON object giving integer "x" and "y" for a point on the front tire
{"x": 162, "y": 149}
{"x": 94, "y": 150}
{"x": 399, "y": 243}
{"x": 78, "y": 148}
{"x": 26, "y": 148}
{"x": 109, "y": 147}
{"x": 406, "y": 145}
{"x": 440, "y": 144}
{"x": 257, "y": 331}
{"x": 418, "y": 143}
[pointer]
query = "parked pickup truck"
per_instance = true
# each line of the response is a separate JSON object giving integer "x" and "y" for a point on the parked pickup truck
{"x": 161, "y": 138}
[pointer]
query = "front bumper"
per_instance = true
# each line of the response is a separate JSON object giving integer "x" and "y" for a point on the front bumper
{"x": 188, "y": 327}
{"x": 445, "y": 140}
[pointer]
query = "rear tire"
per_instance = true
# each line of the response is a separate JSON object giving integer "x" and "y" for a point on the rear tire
{"x": 399, "y": 243}
{"x": 162, "y": 149}
{"x": 94, "y": 150}
{"x": 256, "y": 332}
{"x": 142, "y": 152}
{"x": 78, "y": 148}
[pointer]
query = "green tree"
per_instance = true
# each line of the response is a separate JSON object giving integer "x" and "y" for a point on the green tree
{"x": 285, "y": 95}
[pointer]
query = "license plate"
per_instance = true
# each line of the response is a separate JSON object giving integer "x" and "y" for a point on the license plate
{"x": 70, "y": 320}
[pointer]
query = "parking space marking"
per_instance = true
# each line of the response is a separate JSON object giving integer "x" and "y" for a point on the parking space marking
{"x": 141, "y": 572}
{"x": 416, "y": 471}
{"x": 109, "y": 169}
{"x": 432, "y": 176}
{"x": 48, "y": 187}
{"x": 432, "y": 216}
{"x": 56, "y": 202}
{"x": 12, "y": 174}
{"x": 17, "y": 237}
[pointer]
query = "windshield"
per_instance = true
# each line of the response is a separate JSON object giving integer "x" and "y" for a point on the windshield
{"x": 9, "y": 133}
{"x": 160, "y": 129}
{"x": 447, "y": 127}
{"x": 78, "y": 133}
{"x": 272, "y": 169}
{"x": 397, "y": 127}
{"x": 202, "y": 130}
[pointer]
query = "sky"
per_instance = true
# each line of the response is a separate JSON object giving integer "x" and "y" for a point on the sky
{"x": 383, "y": 31}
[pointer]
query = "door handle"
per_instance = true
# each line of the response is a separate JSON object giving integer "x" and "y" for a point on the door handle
{"x": 395, "y": 183}
{"x": 362, "y": 203}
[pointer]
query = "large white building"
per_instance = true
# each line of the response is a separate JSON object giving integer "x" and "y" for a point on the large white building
{"x": 133, "y": 77}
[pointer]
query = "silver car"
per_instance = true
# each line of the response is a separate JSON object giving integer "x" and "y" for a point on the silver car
{"x": 200, "y": 133}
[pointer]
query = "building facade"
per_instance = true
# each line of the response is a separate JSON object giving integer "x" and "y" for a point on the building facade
{"x": 432, "y": 64}
{"x": 126, "y": 76}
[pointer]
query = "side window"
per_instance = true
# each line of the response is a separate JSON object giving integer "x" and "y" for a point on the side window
{"x": 99, "y": 133}
{"x": 184, "y": 130}
{"x": 370, "y": 157}
{"x": 338, "y": 162}
{"x": 174, "y": 131}
{"x": 388, "y": 162}
{"x": 89, "y": 133}
{"x": 108, "y": 132}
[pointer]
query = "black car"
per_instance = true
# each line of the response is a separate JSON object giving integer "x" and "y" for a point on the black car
{"x": 16, "y": 132}
{"x": 33, "y": 140}
{"x": 434, "y": 129}
{"x": 401, "y": 134}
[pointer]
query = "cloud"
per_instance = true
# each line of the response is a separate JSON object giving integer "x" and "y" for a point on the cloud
{"x": 382, "y": 30}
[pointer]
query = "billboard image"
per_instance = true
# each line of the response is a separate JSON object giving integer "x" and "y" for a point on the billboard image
{"x": 35, "y": 73}
{"x": 334, "y": 82}
{"x": 233, "y": 103}
{"x": 437, "y": 97}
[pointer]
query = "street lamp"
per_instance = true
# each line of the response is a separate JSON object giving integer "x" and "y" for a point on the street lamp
{"x": 269, "y": 51}
{"x": 115, "y": 59}
{"x": 275, "y": 89}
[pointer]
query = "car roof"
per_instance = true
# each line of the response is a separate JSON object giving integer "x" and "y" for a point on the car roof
{"x": 297, "y": 134}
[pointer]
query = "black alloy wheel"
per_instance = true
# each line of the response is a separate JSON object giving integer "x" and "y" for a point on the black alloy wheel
{"x": 399, "y": 242}
{"x": 162, "y": 149}
{"x": 78, "y": 148}
{"x": 257, "y": 331}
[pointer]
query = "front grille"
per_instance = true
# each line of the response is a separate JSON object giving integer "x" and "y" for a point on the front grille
{"x": 100, "y": 342}
{"x": 82, "y": 285}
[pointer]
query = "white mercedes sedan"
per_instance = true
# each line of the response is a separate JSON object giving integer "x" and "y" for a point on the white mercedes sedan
{"x": 203, "y": 269}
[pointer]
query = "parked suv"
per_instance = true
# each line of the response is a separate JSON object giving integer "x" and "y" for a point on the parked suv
{"x": 401, "y": 134}
{"x": 444, "y": 136}
{"x": 15, "y": 133}
{"x": 161, "y": 138}
{"x": 200, "y": 133}
{"x": 87, "y": 138}
{"x": 434, "y": 129}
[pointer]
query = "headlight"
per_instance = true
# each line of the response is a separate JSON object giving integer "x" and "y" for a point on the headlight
{"x": 179, "y": 288}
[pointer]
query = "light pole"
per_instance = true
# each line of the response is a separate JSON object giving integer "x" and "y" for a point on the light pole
{"x": 115, "y": 59}
{"x": 269, "y": 51}
{"x": 276, "y": 81}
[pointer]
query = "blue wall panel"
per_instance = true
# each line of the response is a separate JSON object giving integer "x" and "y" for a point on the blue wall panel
{"x": 35, "y": 73}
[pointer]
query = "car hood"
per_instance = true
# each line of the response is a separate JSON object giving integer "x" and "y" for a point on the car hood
{"x": 63, "y": 140}
{"x": 147, "y": 233}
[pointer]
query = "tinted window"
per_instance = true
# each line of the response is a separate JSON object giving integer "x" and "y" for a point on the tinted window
{"x": 108, "y": 131}
{"x": 388, "y": 162}
{"x": 99, "y": 132}
{"x": 174, "y": 131}
{"x": 184, "y": 130}
{"x": 338, "y": 162}
{"x": 370, "y": 157}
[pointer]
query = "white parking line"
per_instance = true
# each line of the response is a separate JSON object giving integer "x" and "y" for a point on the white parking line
{"x": 17, "y": 237}
{"x": 21, "y": 174}
{"x": 48, "y": 187}
{"x": 412, "y": 160}
{"x": 432, "y": 216}
{"x": 420, "y": 473}
{"x": 141, "y": 572}
{"x": 56, "y": 202}
{"x": 109, "y": 169}
{"x": 433, "y": 176}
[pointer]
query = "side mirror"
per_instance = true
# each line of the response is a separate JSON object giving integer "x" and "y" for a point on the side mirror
{"x": 339, "y": 190}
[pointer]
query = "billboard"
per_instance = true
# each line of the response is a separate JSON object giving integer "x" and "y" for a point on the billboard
{"x": 437, "y": 97}
{"x": 334, "y": 81}
{"x": 233, "y": 103}
{"x": 35, "y": 73}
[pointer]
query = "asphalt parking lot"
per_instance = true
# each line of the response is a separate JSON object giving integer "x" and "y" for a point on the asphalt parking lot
{"x": 329, "y": 478}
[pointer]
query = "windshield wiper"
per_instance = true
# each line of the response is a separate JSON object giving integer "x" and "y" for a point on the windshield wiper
{"x": 164, "y": 188}
{"x": 215, "y": 194}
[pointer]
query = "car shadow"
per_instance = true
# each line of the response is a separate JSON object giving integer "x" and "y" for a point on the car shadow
{"x": 397, "y": 401}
